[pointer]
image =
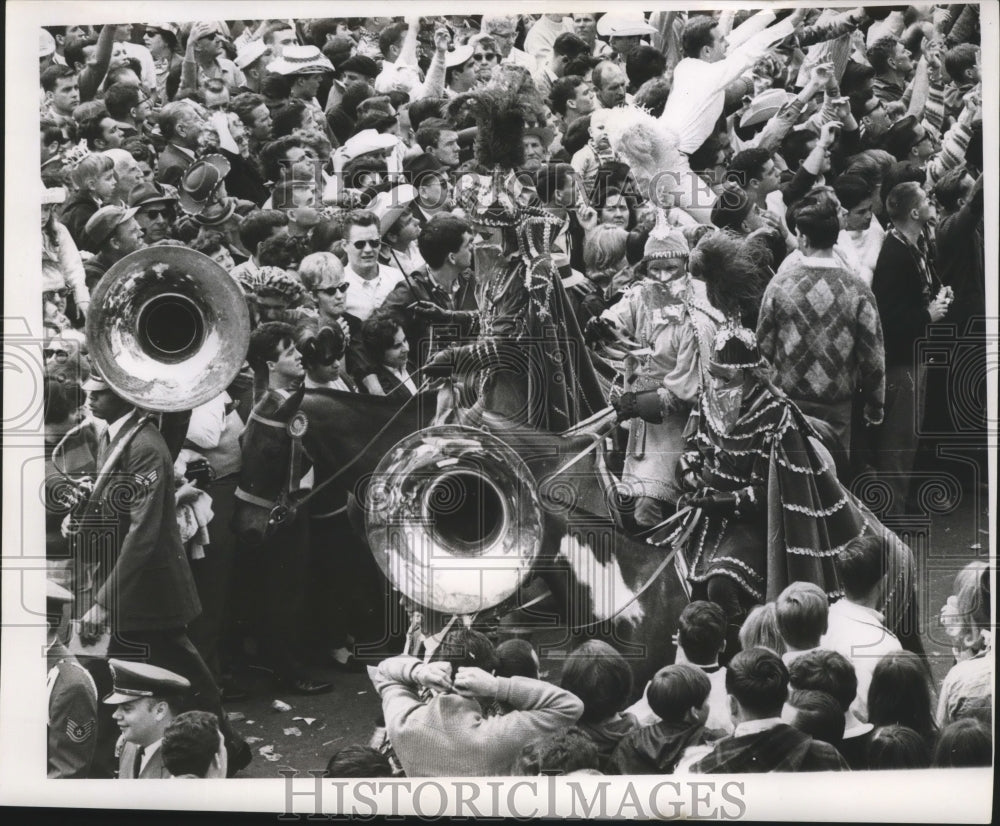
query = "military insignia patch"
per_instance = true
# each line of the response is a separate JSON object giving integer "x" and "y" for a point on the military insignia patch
{"x": 151, "y": 477}
{"x": 79, "y": 732}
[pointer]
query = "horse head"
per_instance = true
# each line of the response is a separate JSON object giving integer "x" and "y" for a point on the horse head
{"x": 267, "y": 459}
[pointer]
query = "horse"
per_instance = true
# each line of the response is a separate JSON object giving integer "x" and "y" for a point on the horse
{"x": 595, "y": 579}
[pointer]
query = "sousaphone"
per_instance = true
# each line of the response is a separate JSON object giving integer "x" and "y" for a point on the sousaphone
{"x": 168, "y": 328}
{"x": 454, "y": 519}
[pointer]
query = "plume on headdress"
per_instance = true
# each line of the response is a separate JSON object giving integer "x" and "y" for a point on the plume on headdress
{"x": 501, "y": 117}
{"x": 733, "y": 274}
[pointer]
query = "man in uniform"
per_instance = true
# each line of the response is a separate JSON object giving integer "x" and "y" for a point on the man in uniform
{"x": 146, "y": 700}
{"x": 143, "y": 589}
{"x": 72, "y": 698}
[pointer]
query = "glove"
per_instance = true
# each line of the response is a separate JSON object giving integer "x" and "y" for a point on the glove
{"x": 646, "y": 405}
{"x": 441, "y": 364}
{"x": 688, "y": 471}
{"x": 597, "y": 329}
{"x": 428, "y": 311}
{"x": 715, "y": 502}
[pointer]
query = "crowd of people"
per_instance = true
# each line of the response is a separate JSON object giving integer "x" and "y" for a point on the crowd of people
{"x": 734, "y": 228}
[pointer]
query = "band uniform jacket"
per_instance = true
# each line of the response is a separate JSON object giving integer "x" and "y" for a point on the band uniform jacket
{"x": 72, "y": 736}
{"x": 153, "y": 770}
{"x": 145, "y": 583}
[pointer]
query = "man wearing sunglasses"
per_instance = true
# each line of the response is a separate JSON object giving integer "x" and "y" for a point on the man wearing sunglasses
{"x": 156, "y": 210}
{"x": 203, "y": 60}
{"x": 371, "y": 282}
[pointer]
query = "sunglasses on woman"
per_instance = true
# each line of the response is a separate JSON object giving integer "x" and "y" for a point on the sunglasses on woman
{"x": 481, "y": 56}
{"x": 340, "y": 288}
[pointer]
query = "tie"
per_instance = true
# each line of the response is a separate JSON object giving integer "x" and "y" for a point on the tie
{"x": 103, "y": 445}
{"x": 137, "y": 765}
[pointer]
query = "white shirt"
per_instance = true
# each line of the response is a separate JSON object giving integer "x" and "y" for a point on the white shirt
{"x": 698, "y": 94}
{"x": 542, "y": 35}
{"x": 523, "y": 59}
{"x": 366, "y": 295}
{"x": 756, "y": 726}
{"x": 147, "y": 754}
{"x": 859, "y": 634}
{"x": 147, "y": 67}
{"x": 115, "y": 426}
{"x": 336, "y": 384}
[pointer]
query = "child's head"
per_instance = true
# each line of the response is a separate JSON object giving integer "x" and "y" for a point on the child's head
{"x": 465, "y": 648}
{"x": 95, "y": 174}
{"x": 760, "y": 629}
{"x": 701, "y": 632}
{"x": 517, "y": 658}
{"x": 358, "y": 761}
{"x": 568, "y": 751}
{"x": 678, "y": 693}
{"x": 802, "y": 610}
{"x": 599, "y": 120}
{"x": 599, "y": 676}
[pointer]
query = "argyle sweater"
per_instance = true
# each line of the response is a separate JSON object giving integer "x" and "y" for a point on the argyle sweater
{"x": 819, "y": 327}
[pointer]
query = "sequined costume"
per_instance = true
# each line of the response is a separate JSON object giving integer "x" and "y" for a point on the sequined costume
{"x": 770, "y": 509}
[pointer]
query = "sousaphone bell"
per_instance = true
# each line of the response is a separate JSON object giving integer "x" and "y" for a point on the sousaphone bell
{"x": 168, "y": 328}
{"x": 454, "y": 519}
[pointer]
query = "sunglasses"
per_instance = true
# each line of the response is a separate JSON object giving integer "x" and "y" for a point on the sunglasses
{"x": 481, "y": 56}
{"x": 360, "y": 245}
{"x": 56, "y": 293}
{"x": 340, "y": 288}
{"x": 162, "y": 212}
{"x": 58, "y": 355}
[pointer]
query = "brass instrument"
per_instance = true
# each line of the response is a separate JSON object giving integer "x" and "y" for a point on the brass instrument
{"x": 454, "y": 519}
{"x": 168, "y": 328}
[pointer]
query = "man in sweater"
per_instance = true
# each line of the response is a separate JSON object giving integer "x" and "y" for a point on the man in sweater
{"x": 909, "y": 296}
{"x": 819, "y": 328}
{"x": 449, "y": 734}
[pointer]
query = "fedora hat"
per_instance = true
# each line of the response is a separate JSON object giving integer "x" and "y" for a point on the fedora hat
{"x": 201, "y": 182}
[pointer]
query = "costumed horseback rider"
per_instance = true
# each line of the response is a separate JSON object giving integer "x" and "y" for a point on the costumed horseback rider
{"x": 763, "y": 495}
{"x": 529, "y": 366}
{"x": 672, "y": 325}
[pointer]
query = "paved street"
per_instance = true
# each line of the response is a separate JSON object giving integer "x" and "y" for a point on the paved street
{"x": 347, "y": 716}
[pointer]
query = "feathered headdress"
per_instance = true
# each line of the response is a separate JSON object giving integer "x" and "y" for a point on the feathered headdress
{"x": 493, "y": 198}
{"x": 645, "y": 144}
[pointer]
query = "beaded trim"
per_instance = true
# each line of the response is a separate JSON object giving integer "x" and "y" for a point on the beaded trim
{"x": 809, "y": 512}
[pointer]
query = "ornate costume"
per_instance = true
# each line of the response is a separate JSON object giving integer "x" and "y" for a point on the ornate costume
{"x": 674, "y": 326}
{"x": 529, "y": 366}
{"x": 769, "y": 508}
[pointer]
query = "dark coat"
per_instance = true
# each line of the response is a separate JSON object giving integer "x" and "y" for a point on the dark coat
{"x": 778, "y": 749}
{"x": 72, "y": 715}
{"x": 655, "y": 749}
{"x": 420, "y": 333}
{"x": 902, "y": 297}
{"x": 391, "y": 386}
{"x": 146, "y": 584}
{"x": 79, "y": 209}
{"x": 172, "y": 165}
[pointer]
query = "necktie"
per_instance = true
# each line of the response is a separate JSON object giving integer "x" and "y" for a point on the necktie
{"x": 137, "y": 765}
{"x": 103, "y": 446}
